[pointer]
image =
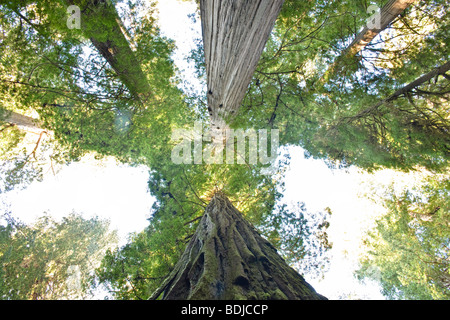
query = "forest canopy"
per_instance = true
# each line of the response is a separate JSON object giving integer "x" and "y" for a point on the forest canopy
{"x": 110, "y": 88}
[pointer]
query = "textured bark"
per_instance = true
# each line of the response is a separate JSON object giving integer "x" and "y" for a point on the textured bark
{"x": 235, "y": 33}
{"x": 390, "y": 11}
{"x": 388, "y": 14}
{"x": 112, "y": 44}
{"x": 227, "y": 259}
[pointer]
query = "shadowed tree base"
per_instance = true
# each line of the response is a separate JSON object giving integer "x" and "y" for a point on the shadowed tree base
{"x": 227, "y": 259}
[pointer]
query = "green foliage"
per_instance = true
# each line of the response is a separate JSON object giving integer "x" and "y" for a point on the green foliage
{"x": 48, "y": 69}
{"x": 408, "y": 251}
{"x": 336, "y": 120}
{"x": 50, "y": 259}
{"x": 16, "y": 169}
{"x": 300, "y": 237}
{"x": 90, "y": 107}
{"x": 134, "y": 271}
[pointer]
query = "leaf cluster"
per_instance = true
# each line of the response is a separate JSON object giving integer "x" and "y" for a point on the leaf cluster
{"x": 51, "y": 259}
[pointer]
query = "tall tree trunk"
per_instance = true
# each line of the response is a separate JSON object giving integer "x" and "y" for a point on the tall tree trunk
{"x": 21, "y": 121}
{"x": 227, "y": 259}
{"x": 235, "y": 33}
{"x": 101, "y": 24}
{"x": 390, "y": 11}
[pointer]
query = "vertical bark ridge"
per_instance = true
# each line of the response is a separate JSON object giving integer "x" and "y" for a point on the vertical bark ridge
{"x": 235, "y": 33}
{"x": 227, "y": 259}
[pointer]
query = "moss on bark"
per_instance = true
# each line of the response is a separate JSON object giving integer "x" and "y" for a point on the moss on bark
{"x": 227, "y": 259}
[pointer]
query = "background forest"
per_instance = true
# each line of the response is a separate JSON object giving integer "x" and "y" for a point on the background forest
{"x": 113, "y": 89}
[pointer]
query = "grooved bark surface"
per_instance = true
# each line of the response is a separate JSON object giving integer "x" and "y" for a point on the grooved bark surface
{"x": 235, "y": 33}
{"x": 112, "y": 44}
{"x": 390, "y": 11}
{"x": 227, "y": 259}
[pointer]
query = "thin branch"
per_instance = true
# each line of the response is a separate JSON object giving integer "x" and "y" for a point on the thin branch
{"x": 193, "y": 220}
{"x": 190, "y": 186}
{"x": 9, "y": 125}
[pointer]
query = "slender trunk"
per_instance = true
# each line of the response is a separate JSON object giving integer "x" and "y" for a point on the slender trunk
{"x": 227, "y": 259}
{"x": 391, "y": 10}
{"x": 101, "y": 24}
{"x": 234, "y": 36}
{"x": 441, "y": 70}
{"x": 388, "y": 14}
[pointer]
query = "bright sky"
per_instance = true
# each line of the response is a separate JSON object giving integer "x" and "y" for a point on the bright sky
{"x": 111, "y": 191}
{"x": 120, "y": 194}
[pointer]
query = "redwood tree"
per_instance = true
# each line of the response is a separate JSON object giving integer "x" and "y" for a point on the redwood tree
{"x": 228, "y": 259}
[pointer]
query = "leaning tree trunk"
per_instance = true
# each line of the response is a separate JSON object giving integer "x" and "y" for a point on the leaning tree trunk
{"x": 227, "y": 259}
{"x": 235, "y": 33}
{"x": 20, "y": 121}
{"x": 101, "y": 23}
{"x": 390, "y": 11}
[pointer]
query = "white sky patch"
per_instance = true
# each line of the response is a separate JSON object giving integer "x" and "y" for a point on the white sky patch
{"x": 312, "y": 182}
{"x": 114, "y": 192}
{"x": 346, "y": 193}
{"x": 175, "y": 23}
